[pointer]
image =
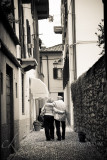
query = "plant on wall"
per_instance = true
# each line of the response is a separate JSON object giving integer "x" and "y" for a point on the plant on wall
{"x": 100, "y": 34}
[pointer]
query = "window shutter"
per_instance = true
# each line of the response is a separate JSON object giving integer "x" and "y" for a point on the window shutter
{"x": 28, "y": 32}
{"x": 28, "y": 37}
{"x": 55, "y": 73}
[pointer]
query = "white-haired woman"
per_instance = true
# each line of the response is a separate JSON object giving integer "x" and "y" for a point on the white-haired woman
{"x": 48, "y": 112}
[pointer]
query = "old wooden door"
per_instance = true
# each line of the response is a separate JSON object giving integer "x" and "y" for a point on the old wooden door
{"x": 9, "y": 105}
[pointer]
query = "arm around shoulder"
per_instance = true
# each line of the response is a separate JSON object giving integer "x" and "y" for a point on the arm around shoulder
{"x": 58, "y": 111}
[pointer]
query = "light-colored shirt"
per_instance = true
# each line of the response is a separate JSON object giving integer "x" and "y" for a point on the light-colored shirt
{"x": 48, "y": 109}
{"x": 60, "y": 105}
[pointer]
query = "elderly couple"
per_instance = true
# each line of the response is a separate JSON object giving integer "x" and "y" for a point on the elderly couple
{"x": 54, "y": 111}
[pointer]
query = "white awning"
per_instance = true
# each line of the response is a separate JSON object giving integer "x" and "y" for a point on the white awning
{"x": 38, "y": 89}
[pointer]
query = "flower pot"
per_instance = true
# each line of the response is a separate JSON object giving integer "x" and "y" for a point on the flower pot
{"x": 81, "y": 136}
{"x": 37, "y": 125}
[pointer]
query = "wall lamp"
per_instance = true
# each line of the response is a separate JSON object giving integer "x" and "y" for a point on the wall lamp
{"x": 55, "y": 64}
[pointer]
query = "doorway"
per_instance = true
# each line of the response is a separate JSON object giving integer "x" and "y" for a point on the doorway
{"x": 9, "y": 105}
{"x": 61, "y": 94}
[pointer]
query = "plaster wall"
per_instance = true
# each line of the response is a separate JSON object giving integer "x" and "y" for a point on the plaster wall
{"x": 88, "y": 15}
{"x": 54, "y": 85}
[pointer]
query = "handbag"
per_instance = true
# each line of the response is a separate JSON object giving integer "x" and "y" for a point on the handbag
{"x": 41, "y": 119}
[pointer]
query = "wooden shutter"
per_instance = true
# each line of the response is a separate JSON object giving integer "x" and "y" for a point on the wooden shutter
{"x": 28, "y": 37}
{"x": 28, "y": 32}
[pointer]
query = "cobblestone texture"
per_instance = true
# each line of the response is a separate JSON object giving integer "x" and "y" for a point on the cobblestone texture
{"x": 35, "y": 147}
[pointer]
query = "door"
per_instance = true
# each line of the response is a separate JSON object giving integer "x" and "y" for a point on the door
{"x": 9, "y": 105}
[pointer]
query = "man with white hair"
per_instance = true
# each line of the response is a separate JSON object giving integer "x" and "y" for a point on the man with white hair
{"x": 60, "y": 119}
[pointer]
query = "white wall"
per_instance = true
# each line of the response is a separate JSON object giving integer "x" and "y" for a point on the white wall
{"x": 88, "y": 15}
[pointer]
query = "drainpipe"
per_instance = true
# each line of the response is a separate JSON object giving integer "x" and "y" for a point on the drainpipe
{"x": 74, "y": 39}
{"x": 48, "y": 73}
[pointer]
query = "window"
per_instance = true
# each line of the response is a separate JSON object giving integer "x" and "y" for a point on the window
{"x": 8, "y": 7}
{"x": 57, "y": 73}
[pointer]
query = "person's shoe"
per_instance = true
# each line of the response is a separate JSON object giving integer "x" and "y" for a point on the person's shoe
{"x": 58, "y": 139}
{"x": 63, "y": 138}
{"x": 52, "y": 139}
{"x": 47, "y": 139}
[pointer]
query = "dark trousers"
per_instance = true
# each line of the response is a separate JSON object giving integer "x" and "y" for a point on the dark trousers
{"x": 58, "y": 132}
{"x": 49, "y": 127}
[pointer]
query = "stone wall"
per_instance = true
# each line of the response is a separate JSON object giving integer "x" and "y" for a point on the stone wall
{"x": 89, "y": 95}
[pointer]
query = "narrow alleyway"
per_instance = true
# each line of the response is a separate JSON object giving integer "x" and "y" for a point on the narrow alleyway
{"x": 35, "y": 147}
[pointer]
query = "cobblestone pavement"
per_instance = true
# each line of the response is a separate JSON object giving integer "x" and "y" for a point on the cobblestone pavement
{"x": 35, "y": 147}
